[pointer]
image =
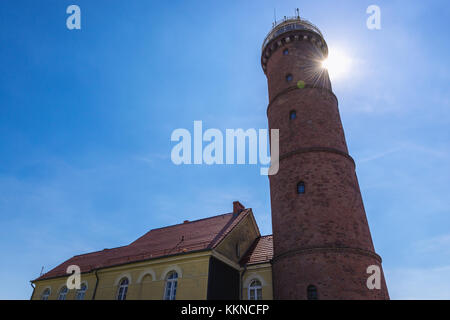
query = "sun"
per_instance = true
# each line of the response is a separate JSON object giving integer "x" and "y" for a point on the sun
{"x": 338, "y": 63}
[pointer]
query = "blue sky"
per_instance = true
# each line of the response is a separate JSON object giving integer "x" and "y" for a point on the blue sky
{"x": 86, "y": 117}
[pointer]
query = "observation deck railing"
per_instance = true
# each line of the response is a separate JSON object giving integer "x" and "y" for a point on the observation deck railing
{"x": 288, "y": 24}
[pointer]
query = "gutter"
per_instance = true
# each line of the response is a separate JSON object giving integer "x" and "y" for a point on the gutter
{"x": 96, "y": 284}
{"x": 131, "y": 262}
{"x": 34, "y": 288}
{"x": 242, "y": 284}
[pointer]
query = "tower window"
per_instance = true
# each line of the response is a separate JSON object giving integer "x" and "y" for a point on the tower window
{"x": 285, "y": 52}
{"x": 311, "y": 293}
{"x": 289, "y": 77}
{"x": 292, "y": 115}
{"x": 301, "y": 187}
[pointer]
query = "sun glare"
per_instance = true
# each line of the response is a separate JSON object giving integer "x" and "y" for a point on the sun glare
{"x": 338, "y": 63}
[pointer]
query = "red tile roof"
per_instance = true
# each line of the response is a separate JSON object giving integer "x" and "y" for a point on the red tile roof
{"x": 181, "y": 238}
{"x": 261, "y": 251}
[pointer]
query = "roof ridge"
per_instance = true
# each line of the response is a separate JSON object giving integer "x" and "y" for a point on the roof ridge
{"x": 207, "y": 233}
{"x": 182, "y": 223}
{"x": 98, "y": 251}
{"x": 179, "y": 224}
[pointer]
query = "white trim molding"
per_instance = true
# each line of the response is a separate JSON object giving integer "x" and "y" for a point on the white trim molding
{"x": 43, "y": 290}
{"x": 146, "y": 272}
{"x": 123, "y": 275}
{"x": 253, "y": 276}
{"x": 171, "y": 268}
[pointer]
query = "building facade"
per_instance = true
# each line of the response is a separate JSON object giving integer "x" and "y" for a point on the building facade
{"x": 221, "y": 257}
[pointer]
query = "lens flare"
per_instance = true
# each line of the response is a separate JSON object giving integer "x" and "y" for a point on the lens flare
{"x": 338, "y": 63}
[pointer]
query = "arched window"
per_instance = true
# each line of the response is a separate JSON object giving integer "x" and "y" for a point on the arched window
{"x": 63, "y": 293}
{"x": 301, "y": 187}
{"x": 123, "y": 288}
{"x": 171, "y": 286}
{"x": 255, "y": 290}
{"x": 81, "y": 292}
{"x": 45, "y": 294}
{"x": 311, "y": 292}
{"x": 285, "y": 52}
{"x": 289, "y": 77}
{"x": 238, "y": 250}
{"x": 292, "y": 115}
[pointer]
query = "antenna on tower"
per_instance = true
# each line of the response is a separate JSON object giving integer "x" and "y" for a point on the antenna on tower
{"x": 274, "y": 17}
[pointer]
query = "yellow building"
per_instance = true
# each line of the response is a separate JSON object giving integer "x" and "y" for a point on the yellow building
{"x": 221, "y": 257}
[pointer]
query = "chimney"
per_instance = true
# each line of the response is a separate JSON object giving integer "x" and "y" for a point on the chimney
{"x": 237, "y": 208}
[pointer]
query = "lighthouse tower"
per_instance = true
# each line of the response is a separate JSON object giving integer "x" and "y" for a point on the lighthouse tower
{"x": 322, "y": 243}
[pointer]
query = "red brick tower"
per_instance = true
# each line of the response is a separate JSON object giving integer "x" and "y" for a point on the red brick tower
{"x": 322, "y": 241}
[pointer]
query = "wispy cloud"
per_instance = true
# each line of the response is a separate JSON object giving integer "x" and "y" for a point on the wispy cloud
{"x": 439, "y": 244}
{"x": 379, "y": 155}
{"x": 152, "y": 158}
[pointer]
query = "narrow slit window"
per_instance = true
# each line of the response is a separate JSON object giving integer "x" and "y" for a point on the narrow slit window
{"x": 301, "y": 187}
{"x": 292, "y": 115}
{"x": 311, "y": 293}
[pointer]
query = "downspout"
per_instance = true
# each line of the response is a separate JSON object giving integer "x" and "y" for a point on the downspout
{"x": 34, "y": 288}
{"x": 242, "y": 284}
{"x": 96, "y": 284}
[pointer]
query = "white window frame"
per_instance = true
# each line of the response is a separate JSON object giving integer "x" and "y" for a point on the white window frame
{"x": 170, "y": 290}
{"x": 81, "y": 293}
{"x": 45, "y": 295}
{"x": 123, "y": 289}
{"x": 255, "y": 288}
{"x": 63, "y": 293}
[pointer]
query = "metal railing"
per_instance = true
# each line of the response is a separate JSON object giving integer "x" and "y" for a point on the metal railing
{"x": 289, "y": 24}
